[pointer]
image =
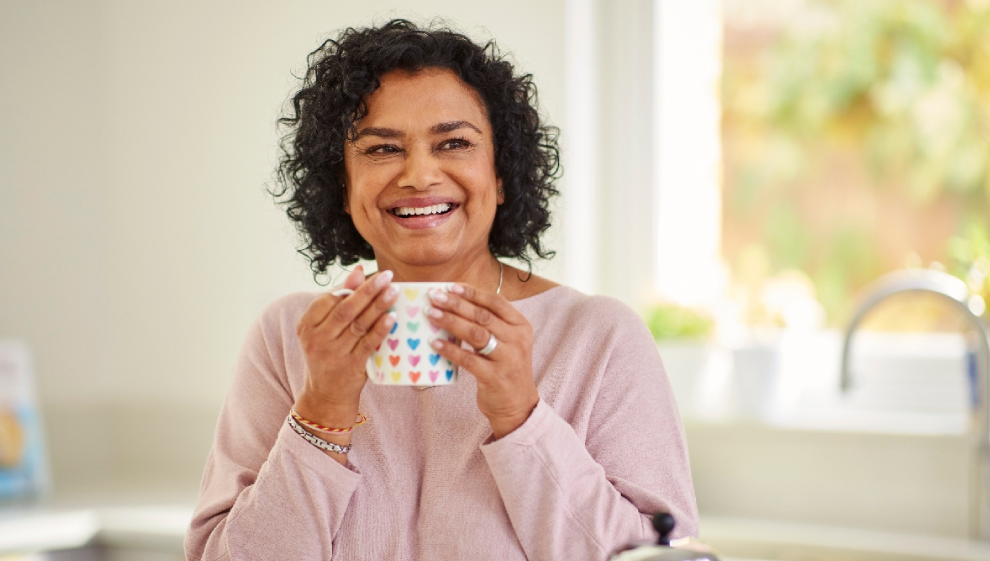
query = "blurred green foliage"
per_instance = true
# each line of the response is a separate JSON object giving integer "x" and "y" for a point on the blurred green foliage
{"x": 671, "y": 321}
{"x": 970, "y": 254}
{"x": 905, "y": 84}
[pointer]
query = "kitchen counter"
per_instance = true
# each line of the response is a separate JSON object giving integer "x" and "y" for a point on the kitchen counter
{"x": 735, "y": 538}
{"x": 152, "y": 529}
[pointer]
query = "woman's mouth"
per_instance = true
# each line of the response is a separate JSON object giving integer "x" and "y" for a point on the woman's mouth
{"x": 420, "y": 217}
{"x": 408, "y": 211}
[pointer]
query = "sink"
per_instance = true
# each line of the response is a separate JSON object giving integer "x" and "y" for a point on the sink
{"x": 873, "y": 460}
{"x": 909, "y": 483}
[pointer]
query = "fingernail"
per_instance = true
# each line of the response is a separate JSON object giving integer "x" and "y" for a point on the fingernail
{"x": 392, "y": 292}
{"x": 390, "y": 319}
{"x": 434, "y": 313}
{"x": 436, "y": 344}
{"x": 438, "y": 295}
{"x": 383, "y": 278}
{"x": 457, "y": 289}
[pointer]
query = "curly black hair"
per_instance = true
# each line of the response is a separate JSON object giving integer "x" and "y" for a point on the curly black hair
{"x": 341, "y": 74}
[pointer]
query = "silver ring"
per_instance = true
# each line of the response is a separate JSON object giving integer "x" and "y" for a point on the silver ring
{"x": 489, "y": 347}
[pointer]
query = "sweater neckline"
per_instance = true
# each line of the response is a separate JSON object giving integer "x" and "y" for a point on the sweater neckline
{"x": 537, "y": 297}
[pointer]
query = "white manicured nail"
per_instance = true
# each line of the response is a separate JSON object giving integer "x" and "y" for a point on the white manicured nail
{"x": 438, "y": 296}
{"x": 383, "y": 278}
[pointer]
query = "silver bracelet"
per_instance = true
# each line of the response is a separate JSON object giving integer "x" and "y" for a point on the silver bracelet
{"x": 315, "y": 440}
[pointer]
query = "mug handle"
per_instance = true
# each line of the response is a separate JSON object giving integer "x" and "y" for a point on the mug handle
{"x": 368, "y": 368}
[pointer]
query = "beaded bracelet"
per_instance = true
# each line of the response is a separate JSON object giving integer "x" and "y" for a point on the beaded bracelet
{"x": 315, "y": 440}
{"x": 360, "y": 420}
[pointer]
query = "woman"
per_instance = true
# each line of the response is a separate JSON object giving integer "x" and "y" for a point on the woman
{"x": 423, "y": 151}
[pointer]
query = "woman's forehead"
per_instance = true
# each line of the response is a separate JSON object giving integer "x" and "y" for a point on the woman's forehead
{"x": 422, "y": 100}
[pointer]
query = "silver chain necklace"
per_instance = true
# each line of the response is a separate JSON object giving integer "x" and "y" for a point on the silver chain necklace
{"x": 499, "y": 289}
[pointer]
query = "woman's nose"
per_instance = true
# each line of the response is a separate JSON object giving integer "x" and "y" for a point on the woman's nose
{"x": 421, "y": 171}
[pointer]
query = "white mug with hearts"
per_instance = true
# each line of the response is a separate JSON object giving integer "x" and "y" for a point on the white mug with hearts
{"x": 406, "y": 356}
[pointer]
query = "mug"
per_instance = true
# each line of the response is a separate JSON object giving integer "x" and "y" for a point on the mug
{"x": 406, "y": 356}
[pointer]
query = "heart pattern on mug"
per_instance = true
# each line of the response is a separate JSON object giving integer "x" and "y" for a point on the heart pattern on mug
{"x": 413, "y": 312}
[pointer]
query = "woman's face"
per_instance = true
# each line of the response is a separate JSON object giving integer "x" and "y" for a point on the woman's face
{"x": 421, "y": 182}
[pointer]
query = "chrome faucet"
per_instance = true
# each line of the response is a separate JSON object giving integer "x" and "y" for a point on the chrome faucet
{"x": 956, "y": 293}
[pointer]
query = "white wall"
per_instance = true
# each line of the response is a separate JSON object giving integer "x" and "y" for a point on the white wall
{"x": 136, "y": 239}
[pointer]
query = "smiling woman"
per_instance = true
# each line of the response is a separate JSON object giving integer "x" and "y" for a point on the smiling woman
{"x": 423, "y": 151}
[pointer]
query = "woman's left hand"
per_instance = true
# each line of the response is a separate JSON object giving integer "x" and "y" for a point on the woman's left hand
{"x": 506, "y": 390}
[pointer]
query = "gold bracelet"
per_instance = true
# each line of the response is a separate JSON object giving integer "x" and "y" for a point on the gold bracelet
{"x": 360, "y": 420}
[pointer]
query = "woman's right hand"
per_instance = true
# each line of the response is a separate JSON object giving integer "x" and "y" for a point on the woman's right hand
{"x": 337, "y": 335}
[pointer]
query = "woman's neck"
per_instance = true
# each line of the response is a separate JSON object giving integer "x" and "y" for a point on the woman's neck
{"x": 481, "y": 272}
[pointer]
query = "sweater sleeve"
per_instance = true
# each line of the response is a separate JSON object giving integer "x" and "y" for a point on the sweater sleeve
{"x": 266, "y": 493}
{"x": 574, "y": 499}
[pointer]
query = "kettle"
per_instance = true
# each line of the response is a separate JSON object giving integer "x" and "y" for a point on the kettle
{"x": 663, "y": 522}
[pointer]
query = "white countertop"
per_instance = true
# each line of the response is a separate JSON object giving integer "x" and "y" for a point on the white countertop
{"x": 774, "y": 539}
{"x": 157, "y": 527}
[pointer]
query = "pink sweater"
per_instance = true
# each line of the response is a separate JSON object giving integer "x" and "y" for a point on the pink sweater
{"x": 603, "y": 449}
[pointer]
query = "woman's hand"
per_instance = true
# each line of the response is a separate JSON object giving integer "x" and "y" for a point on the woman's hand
{"x": 506, "y": 390}
{"x": 338, "y": 334}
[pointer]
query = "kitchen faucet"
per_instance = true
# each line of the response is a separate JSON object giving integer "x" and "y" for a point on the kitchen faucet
{"x": 955, "y": 292}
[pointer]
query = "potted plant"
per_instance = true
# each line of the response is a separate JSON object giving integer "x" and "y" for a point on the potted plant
{"x": 683, "y": 336}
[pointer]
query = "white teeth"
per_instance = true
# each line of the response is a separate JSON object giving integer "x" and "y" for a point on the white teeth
{"x": 418, "y": 211}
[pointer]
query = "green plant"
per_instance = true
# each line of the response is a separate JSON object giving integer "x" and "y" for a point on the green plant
{"x": 672, "y": 321}
{"x": 970, "y": 254}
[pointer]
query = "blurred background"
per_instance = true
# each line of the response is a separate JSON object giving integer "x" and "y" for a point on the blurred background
{"x": 773, "y": 184}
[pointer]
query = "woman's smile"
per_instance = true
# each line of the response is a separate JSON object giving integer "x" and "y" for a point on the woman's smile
{"x": 423, "y": 212}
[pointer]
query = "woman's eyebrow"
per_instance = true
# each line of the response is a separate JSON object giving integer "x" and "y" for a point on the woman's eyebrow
{"x": 377, "y": 131}
{"x": 440, "y": 128}
{"x": 443, "y": 128}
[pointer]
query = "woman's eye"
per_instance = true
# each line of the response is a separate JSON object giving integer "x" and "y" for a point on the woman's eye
{"x": 454, "y": 144}
{"x": 382, "y": 149}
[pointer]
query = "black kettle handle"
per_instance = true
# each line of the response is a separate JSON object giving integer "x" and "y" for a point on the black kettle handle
{"x": 663, "y": 523}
